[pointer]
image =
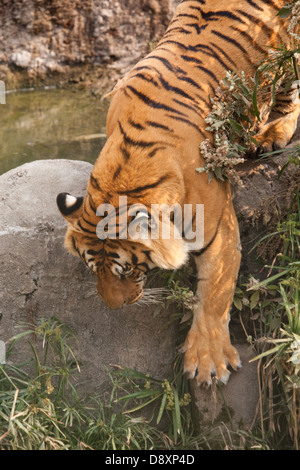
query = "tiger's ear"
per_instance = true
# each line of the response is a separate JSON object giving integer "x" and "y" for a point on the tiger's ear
{"x": 69, "y": 206}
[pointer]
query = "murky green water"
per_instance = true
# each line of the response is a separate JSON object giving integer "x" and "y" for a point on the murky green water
{"x": 47, "y": 124}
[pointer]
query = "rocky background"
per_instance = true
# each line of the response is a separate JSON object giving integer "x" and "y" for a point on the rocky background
{"x": 60, "y": 40}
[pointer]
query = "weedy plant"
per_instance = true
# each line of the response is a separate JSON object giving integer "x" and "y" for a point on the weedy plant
{"x": 241, "y": 105}
{"x": 231, "y": 123}
{"x": 172, "y": 399}
{"x": 41, "y": 409}
{"x": 274, "y": 305}
{"x": 30, "y": 410}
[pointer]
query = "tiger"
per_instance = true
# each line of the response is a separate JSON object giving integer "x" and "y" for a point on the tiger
{"x": 155, "y": 125}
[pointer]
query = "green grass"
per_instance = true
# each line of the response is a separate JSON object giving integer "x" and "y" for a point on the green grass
{"x": 41, "y": 409}
{"x": 273, "y": 305}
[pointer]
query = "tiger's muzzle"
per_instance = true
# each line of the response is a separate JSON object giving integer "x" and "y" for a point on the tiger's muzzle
{"x": 117, "y": 292}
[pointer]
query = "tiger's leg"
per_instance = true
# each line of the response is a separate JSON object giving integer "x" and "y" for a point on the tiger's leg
{"x": 278, "y": 133}
{"x": 207, "y": 348}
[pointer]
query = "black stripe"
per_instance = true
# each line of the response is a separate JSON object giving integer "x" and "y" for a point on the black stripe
{"x": 116, "y": 262}
{"x": 193, "y": 108}
{"x": 121, "y": 210}
{"x": 84, "y": 229}
{"x": 224, "y": 53}
{"x": 208, "y": 52}
{"x": 183, "y": 46}
{"x": 253, "y": 4}
{"x": 202, "y": 2}
{"x": 192, "y": 82}
{"x": 117, "y": 172}
{"x": 178, "y": 30}
{"x": 95, "y": 183}
{"x": 135, "y": 143}
{"x": 125, "y": 152}
{"x": 192, "y": 7}
{"x": 147, "y": 79}
{"x": 208, "y": 72}
{"x": 144, "y": 188}
{"x": 134, "y": 259}
{"x": 230, "y": 39}
{"x": 153, "y": 104}
{"x": 147, "y": 253}
{"x": 176, "y": 90}
{"x": 158, "y": 126}
{"x": 284, "y": 100}
{"x": 88, "y": 222}
{"x": 268, "y": 2}
{"x": 213, "y": 16}
{"x": 268, "y": 31}
{"x": 193, "y": 60}
{"x": 143, "y": 265}
{"x": 186, "y": 15}
{"x": 85, "y": 210}
{"x": 91, "y": 202}
{"x": 200, "y": 252}
{"x": 250, "y": 40}
{"x": 198, "y": 28}
{"x": 136, "y": 125}
{"x": 110, "y": 254}
{"x": 96, "y": 253}
{"x": 182, "y": 77}
{"x": 189, "y": 123}
{"x": 74, "y": 245}
{"x": 252, "y": 18}
{"x": 151, "y": 154}
{"x": 167, "y": 64}
{"x": 144, "y": 67}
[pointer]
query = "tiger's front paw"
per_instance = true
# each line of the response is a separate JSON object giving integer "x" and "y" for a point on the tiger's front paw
{"x": 207, "y": 355}
{"x": 277, "y": 134}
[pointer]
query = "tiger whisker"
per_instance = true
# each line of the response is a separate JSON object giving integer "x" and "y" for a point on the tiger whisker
{"x": 154, "y": 295}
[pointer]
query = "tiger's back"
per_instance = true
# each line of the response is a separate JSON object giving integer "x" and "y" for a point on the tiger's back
{"x": 202, "y": 42}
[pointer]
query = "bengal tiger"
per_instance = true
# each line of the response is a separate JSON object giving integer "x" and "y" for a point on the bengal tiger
{"x": 155, "y": 124}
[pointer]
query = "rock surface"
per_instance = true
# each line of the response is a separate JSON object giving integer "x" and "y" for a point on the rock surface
{"x": 261, "y": 201}
{"x": 38, "y": 278}
{"x": 41, "y": 38}
{"x": 234, "y": 404}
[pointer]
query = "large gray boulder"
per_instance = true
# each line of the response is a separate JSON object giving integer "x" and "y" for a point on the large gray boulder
{"x": 38, "y": 278}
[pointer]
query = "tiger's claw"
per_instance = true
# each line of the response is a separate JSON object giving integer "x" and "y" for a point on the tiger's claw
{"x": 207, "y": 358}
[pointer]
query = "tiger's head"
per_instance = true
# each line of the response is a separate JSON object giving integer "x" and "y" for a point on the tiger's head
{"x": 120, "y": 265}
